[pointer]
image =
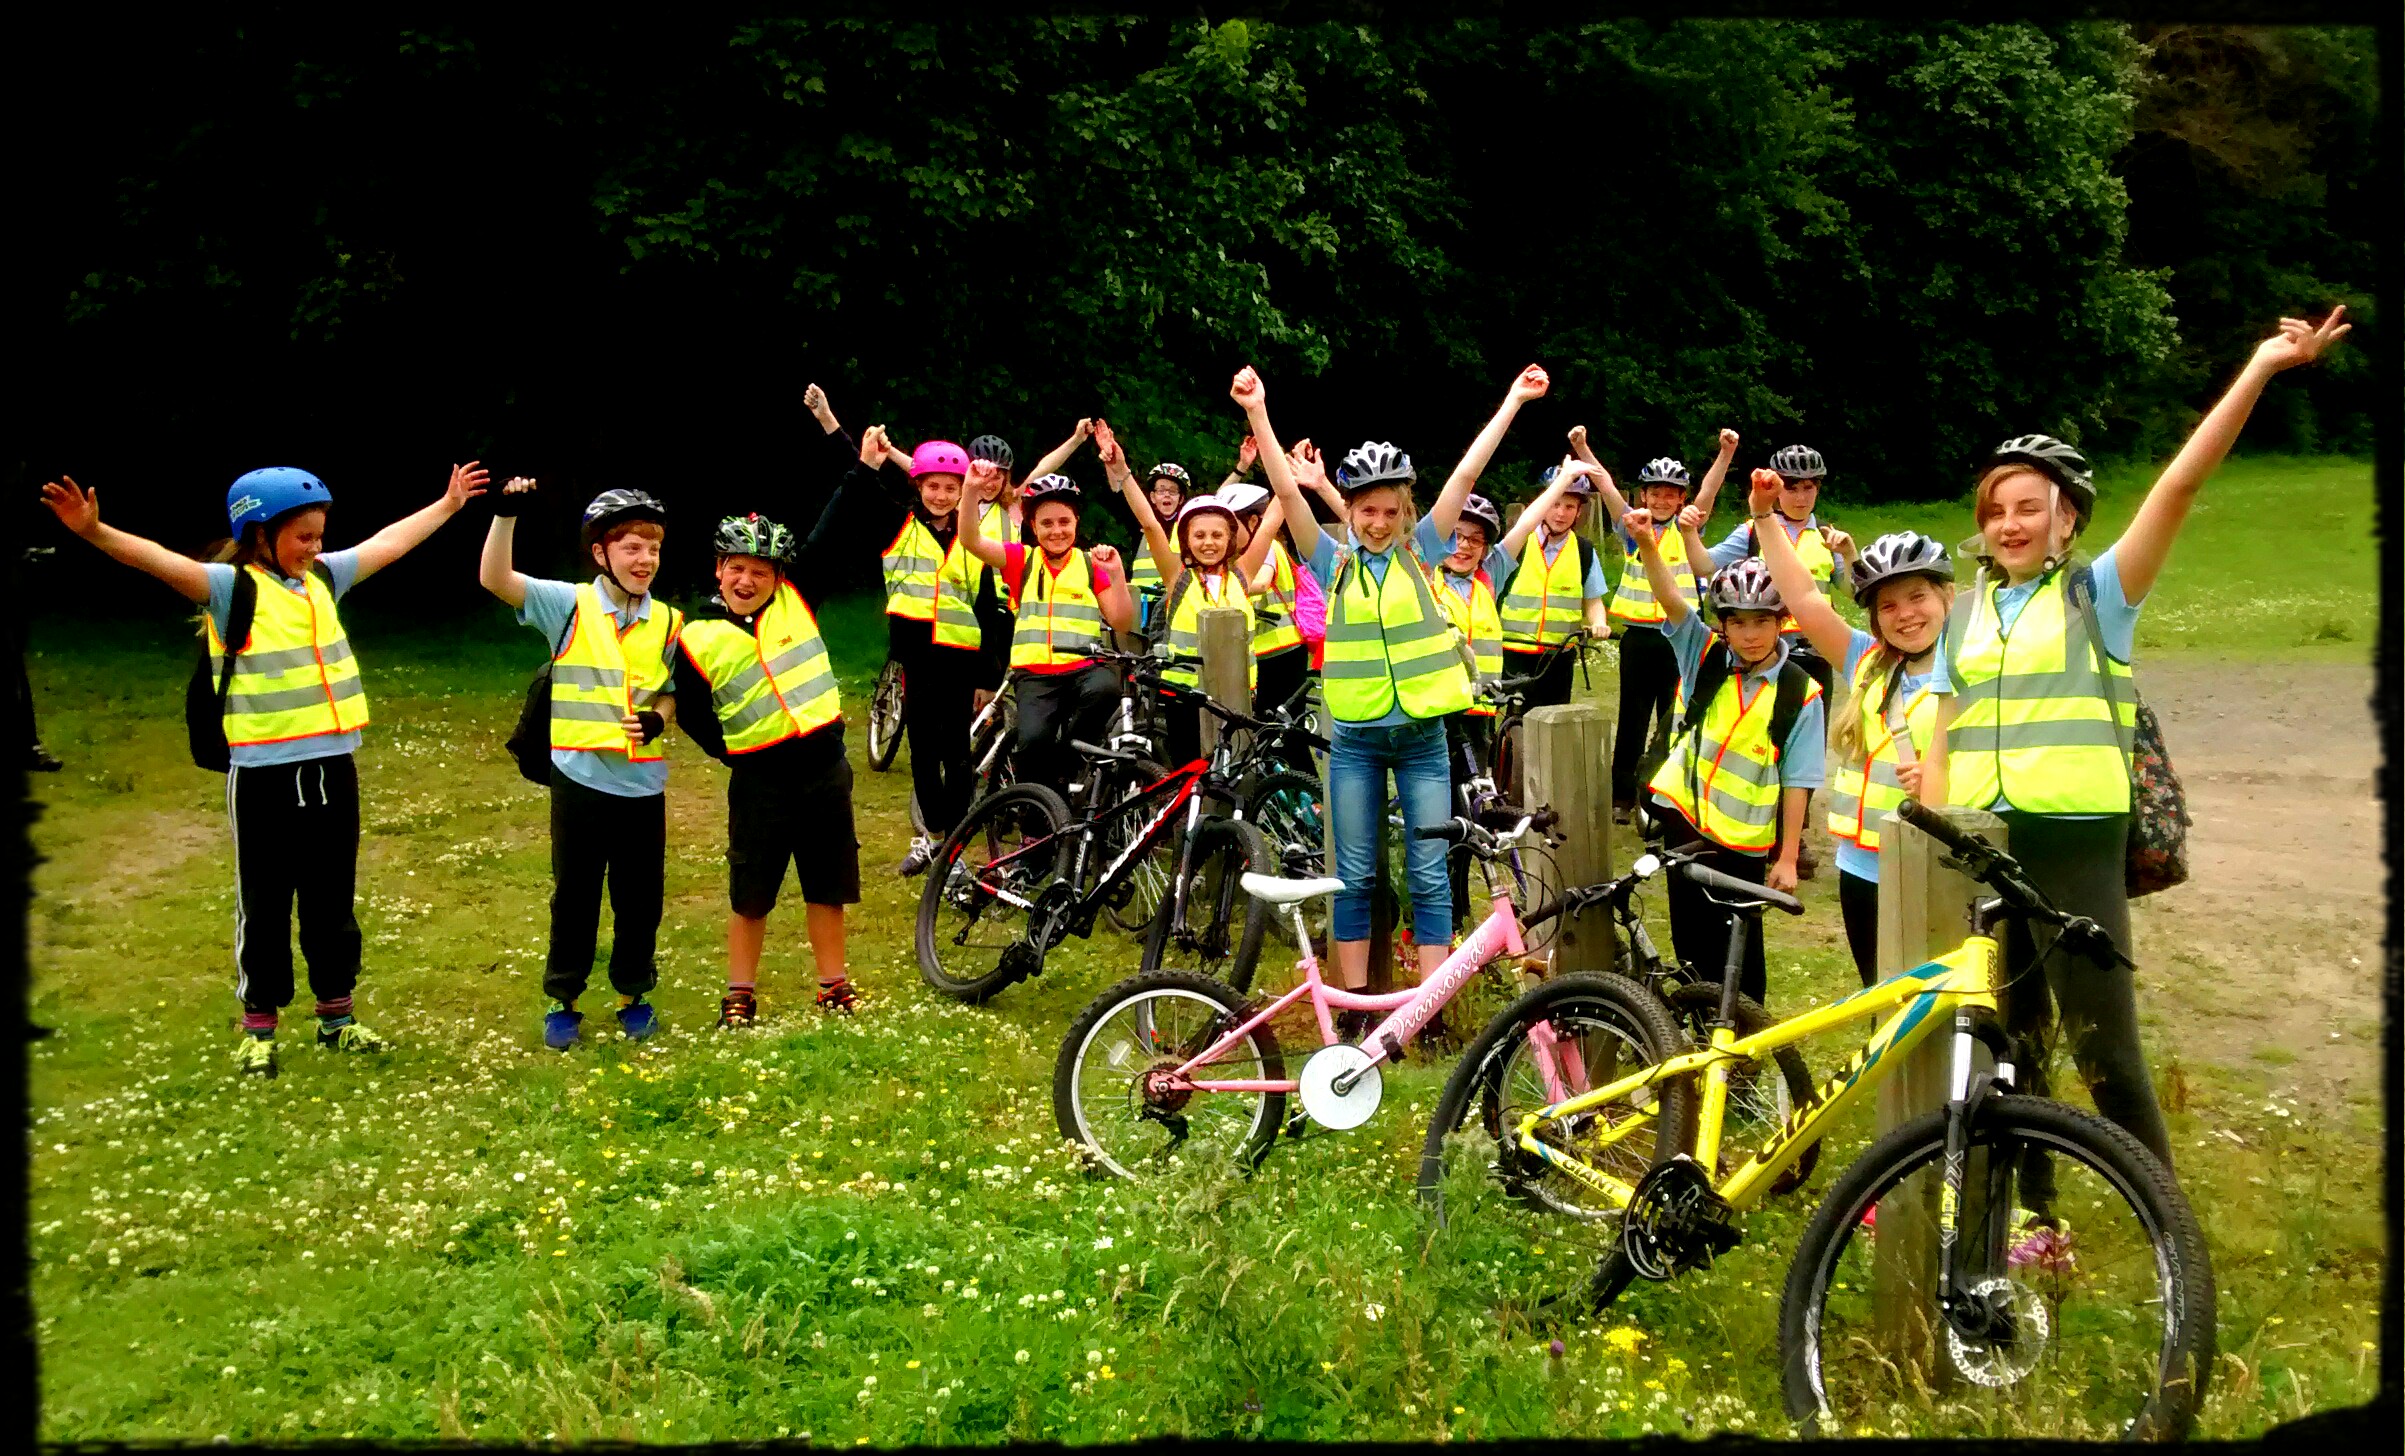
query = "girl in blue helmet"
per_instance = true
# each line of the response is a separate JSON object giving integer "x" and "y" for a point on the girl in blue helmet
{"x": 293, "y": 710}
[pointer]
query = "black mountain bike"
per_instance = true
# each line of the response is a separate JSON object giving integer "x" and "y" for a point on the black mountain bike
{"x": 885, "y": 717}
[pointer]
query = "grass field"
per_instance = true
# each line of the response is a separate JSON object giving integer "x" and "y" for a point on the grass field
{"x": 865, "y": 1230}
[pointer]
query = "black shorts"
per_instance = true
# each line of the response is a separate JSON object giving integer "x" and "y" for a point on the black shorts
{"x": 792, "y": 813}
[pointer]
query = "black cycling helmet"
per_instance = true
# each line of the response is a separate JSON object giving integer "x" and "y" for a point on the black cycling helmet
{"x": 993, "y": 448}
{"x": 614, "y": 507}
{"x": 1478, "y": 508}
{"x": 1799, "y": 462}
{"x": 753, "y": 535}
{"x": 1373, "y": 463}
{"x": 1662, "y": 470}
{"x": 2058, "y": 462}
{"x": 1897, "y": 555}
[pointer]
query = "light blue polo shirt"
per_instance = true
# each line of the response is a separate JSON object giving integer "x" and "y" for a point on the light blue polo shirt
{"x": 548, "y": 606}
{"x": 343, "y": 567}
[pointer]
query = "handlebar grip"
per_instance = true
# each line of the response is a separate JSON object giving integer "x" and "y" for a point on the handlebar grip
{"x": 1712, "y": 879}
{"x": 1456, "y": 830}
{"x": 1927, "y": 820}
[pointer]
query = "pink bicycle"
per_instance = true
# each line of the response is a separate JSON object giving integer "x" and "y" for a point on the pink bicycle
{"x": 1171, "y": 1066}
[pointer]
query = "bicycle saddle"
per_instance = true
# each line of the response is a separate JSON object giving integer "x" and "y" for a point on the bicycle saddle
{"x": 1277, "y": 891}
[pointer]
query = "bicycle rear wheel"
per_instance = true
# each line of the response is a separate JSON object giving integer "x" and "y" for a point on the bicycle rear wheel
{"x": 1601, "y": 1027}
{"x": 1287, "y": 808}
{"x": 973, "y": 916}
{"x": 885, "y": 717}
{"x": 2102, "y": 1323}
{"x": 1107, "y": 1095}
{"x": 1132, "y": 906}
{"x": 1214, "y": 927}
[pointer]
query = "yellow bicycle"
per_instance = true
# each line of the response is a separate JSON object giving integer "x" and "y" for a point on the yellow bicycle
{"x": 2073, "y": 1295}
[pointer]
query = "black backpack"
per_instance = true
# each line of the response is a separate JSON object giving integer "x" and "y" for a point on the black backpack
{"x": 204, "y": 695}
{"x": 530, "y": 742}
{"x": 1713, "y": 672}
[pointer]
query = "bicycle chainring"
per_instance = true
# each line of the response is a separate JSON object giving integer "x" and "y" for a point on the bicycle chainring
{"x": 1675, "y": 1222}
{"x": 1049, "y": 920}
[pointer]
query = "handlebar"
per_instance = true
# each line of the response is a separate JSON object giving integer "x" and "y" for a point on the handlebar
{"x": 1712, "y": 879}
{"x": 2002, "y": 873}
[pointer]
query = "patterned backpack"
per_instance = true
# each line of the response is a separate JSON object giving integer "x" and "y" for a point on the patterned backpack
{"x": 2158, "y": 806}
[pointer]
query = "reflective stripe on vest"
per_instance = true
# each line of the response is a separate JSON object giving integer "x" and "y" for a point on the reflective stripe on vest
{"x": 296, "y": 676}
{"x": 1543, "y": 603}
{"x": 1059, "y": 620}
{"x": 1477, "y": 622}
{"x": 1724, "y": 776}
{"x": 1183, "y": 644}
{"x": 958, "y": 580}
{"x": 769, "y": 684}
{"x": 911, "y": 564}
{"x": 1632, "y": 599}
{"x": 1389, "y": 643}
{"x": 605, "y": 674}
{"x": 2031, "y": 726}
{"x": 1274, "y": 630}
{"x": 1813, "y": 552}
{"x": 1858, "y": 807}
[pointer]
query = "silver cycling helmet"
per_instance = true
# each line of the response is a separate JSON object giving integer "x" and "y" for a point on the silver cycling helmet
{"x": 1373, "y": 462}
{"x": 1746, "y": 586}
{"x": 1896, "y": 555}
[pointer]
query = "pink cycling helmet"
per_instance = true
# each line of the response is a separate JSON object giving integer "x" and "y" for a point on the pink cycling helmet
{"x": 938, "y": 457}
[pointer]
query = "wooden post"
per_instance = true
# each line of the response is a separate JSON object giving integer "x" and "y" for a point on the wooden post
{"x": 1382, "y": 896}
{"x": 1227, "y": 660}
{"x": 1565, "y": 753}
{"x": 1922, "y": 907}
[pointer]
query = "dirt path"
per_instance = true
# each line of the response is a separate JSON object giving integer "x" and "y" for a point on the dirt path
{"x": 2274, "y": 944}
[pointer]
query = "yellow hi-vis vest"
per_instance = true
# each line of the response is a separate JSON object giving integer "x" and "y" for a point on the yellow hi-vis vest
{"x": 1274, "y": 630}
{"x": 1476, "y": 622}
{"x": 1389, "y": 643}
{"x": 1544, "y": 603}
{"x": 1860, "y": 801}
{"x": 295, "y": 677}
{"x": 604, "y": 674}
{"x": 771, "y": 683}
{"x": 1632, "y": 599}
{"x": 1811, "y": 550}
{"x": 2031, "y": 727}
{"x": 1059, "y": 617}
{"x": 1184, "y": 642}
{"x": 928, "y": 583}
{"x": 1724, "y": 774}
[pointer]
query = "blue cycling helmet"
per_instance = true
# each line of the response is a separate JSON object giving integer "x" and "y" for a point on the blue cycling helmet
{"x": 262, "y": 495}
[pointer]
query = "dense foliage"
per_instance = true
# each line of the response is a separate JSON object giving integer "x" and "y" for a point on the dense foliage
{"x": 617, "y": 251}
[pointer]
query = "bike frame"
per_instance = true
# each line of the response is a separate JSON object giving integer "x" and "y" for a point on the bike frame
{"x": 1180, "y": 786}
{"x": 1498, "y": 934}
{"x": 1961, "y": 981}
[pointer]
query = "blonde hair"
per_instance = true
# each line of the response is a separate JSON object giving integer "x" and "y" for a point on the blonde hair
{"x": 1887, "y": 670}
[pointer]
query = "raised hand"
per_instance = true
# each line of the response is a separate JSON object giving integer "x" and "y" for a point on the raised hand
{"x": 1532, "y": 384}
{"x": 77, "y": 509}
{"x": 1310, "y": 471}
{"x": 1578, "y": 436}
{"x": 872, "y": 446}
{"x": 2301, "y": 342}
{"x": 513, "y": 496}
{"x": 1248, "y": 453}
{"x": 1691, "y": 518}
{"x": 1106, "y": 557}
{"x": 1638, "y": 522}
{"x": 467, "y": 483}
{"x": 1247, "y": 390}
{"x": 1763, "y": 495}
{"x": 983, "y": 473}
{"x": 1106, "y": 444}
{"x": 1728, "y": 443}
{"x": 1084, "y": 430}
{"x": 1840, "y": 544}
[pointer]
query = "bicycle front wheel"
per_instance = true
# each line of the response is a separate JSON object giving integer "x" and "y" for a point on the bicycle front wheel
{"x": 885, "y": 718}
{"x": 1568, "y": 1036}
{"x": 973, "y": 915}
{"x": 2089, "y": 1311}
{"x": 1215, "y": 927}
{"x": 1286, "y": 807}
{"x": 1111, "y": 1095}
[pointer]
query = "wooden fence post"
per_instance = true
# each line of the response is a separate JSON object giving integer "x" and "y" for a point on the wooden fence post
{"x": 1227, "y": 659}
{"x": 1566, "y": 767}
{"x": 1922, "y": 906}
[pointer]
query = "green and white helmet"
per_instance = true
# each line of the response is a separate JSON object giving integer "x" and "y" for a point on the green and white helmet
{"x": 753, "y": 535}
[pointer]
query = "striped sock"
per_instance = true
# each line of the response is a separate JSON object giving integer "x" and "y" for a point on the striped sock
{"x": 334, "y": 1015}
{"x": 261, "y": 1024}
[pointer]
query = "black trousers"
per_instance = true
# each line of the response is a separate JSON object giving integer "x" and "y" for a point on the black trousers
{"x": 938, "y": 699}
{"x": 1699, "y": 928}
{"x": 296, "y": 840}
{"x": 2077, "y": 863}
{"x": 1648, "y": 688}
{"x": 1276, "y": 680}
{"x": 1468, "y": 738}
{"x": 1055, "y": 708}
{"x": 597, "y": 838}
{"x": 1553, "y": 689}
{"x": 1858, "y": 901}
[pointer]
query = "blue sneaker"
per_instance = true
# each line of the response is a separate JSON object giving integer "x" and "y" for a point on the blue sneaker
{"x": 637, "y": 1020}
{"x": 559, "y": 1029}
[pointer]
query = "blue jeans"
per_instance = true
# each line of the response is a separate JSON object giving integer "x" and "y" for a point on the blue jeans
{"x": 1358, "y": 763}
